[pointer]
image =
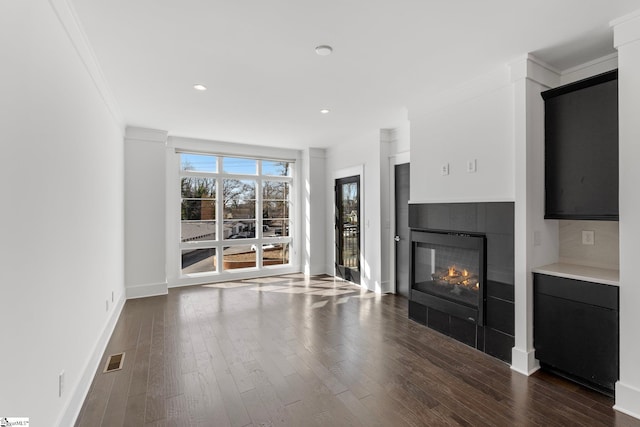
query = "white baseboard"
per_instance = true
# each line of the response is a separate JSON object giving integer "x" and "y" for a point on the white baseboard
{"x": 148, "y": 290}
{"x": 385, "y": 287}
{"x": 627, "y": 400}
{"x": 81, "y": 389}
{"x": 524, "y": 362}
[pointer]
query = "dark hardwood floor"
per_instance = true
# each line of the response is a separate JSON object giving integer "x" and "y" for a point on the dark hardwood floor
{"x": 296, "y": 351}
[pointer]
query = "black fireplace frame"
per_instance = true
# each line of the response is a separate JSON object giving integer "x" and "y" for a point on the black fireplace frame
{"x": 459, "y": 309}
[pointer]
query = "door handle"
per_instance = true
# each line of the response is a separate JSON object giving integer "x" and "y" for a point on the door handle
{"x": 397, "y": 238}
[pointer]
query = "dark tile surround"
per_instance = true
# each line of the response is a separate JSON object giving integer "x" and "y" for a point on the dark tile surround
{"x": 496, "y": 221}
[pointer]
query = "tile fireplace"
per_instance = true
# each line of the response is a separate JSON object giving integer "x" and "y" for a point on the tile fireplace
{"x": 462, "y": 272}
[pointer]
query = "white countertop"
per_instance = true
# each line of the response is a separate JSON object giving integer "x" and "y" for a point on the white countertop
{"x": 580, "y": 272}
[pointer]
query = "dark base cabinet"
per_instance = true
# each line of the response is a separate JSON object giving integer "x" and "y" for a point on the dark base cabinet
{"x": 576, "y": 330}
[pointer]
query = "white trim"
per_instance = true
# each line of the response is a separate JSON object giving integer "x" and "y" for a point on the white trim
{"x": 174, "y": 246}
{"x": 628, "y": 17}
{"x": 229, "y": 149}
{"x": 401, "y": 158}
{"x": 627, "y": 400}
{"x": 345, "y": 173}
{"x": 531, "y": 68}
{"x": 68, "y": 18}
{"x": 145, "y": 134}
{"x": 80, "y": 390}
{"x": 524, "y": 362}
{"x": 392, "y": 225}
{"x": 146, "y": 290}
{"x": 626, "y": 29}
{"x": 589, "y": 64}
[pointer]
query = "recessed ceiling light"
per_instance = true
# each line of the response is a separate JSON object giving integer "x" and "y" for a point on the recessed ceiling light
{"x": 324, "y": 111}
{"x": 324, "y": 50}
{"x": 200, "y": 87}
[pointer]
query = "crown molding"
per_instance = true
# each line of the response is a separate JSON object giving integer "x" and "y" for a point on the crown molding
{"x": 144, "y": 134}
{"x": 532, "y": 68}
{"x": 68, "y": 18}
{"x": 319, "y": 153}
{"x": 626, "y": 29}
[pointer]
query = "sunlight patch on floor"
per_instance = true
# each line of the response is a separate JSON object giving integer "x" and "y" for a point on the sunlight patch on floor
{"x": 319, "y": 304}
{"x": 227, "y": 285}
{"x": 331, "y": 292}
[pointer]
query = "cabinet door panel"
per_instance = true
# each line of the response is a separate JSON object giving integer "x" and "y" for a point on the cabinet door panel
{"x": 577, "y": 338}
{"x": 581, "y": 149}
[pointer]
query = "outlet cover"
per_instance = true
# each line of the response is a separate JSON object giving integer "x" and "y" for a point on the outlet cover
{"x": 444, "y": 169}
{"x": 588, "y": 238}
{"x": 472, "y": 166}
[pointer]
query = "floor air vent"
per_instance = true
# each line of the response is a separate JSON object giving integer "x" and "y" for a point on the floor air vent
{"x": 114, "y": 362}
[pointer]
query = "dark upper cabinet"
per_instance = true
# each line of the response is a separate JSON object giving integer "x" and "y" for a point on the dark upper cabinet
{"x": 581, "y": 149}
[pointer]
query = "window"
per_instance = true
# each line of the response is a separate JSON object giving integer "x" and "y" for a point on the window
{"x": 236, "y": 209}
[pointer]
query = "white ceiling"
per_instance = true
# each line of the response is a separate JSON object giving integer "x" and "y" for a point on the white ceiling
{"x": 267, "y": 85}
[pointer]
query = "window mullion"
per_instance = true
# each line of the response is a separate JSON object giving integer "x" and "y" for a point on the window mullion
{"x": 258, "y": 234}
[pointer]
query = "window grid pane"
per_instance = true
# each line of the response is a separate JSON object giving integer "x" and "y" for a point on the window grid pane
{"x": 239, "y": 207}
{"x": 275, "y": 254}
{"x": 276, "y": 168}
{"x": 198, "y": 260}
{"x": 236, "y": 165}
{"x": 198, "y": 163}
{"x": 238, "y": 257}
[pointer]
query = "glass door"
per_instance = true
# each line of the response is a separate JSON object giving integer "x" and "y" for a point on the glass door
{"x": 347, "y": 224}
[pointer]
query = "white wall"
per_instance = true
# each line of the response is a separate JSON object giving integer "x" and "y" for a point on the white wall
{"x": 313, "y": 207}
{"x": 145, "y": 212}
{"x": 61, "y": 177}
{"x": 627, "y": 41}
{"x": 474, "y": 121}
{"x": 363, "y": 152}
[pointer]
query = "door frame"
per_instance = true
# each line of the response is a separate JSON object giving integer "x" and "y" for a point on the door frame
{"x": 345, "y": 173}
{"x": 394, "y": 159}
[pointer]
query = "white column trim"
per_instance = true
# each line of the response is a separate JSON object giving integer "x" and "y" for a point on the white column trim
{"x": 526, "y": 74}
{"x": 627, "y": 399}
{"x": 626, "y": 29}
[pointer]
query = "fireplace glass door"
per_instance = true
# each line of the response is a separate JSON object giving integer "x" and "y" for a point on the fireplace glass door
{"x": 449, "y": 267}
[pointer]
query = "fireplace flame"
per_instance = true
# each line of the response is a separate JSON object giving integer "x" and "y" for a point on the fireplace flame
{"x": 452, "y": 271}
{"x": 465, "y": 273}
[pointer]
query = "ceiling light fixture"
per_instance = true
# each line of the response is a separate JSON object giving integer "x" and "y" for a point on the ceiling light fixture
{"x": 324, "y": 50}
{"x": 324, "y": 111}
{"x": 199, "y": 87}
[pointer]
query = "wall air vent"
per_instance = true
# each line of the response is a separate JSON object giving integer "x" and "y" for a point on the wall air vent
{"x": 114, "y": 362}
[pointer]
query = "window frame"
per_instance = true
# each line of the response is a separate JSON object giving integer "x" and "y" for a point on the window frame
{"x": 259, "y": 241}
